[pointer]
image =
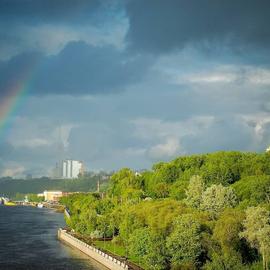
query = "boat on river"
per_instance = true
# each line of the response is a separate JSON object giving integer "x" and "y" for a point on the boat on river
{"x": 40, "y": 205}
{"x": 9, "y": 203}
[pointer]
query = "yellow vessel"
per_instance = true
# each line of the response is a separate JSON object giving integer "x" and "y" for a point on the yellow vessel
{"x": 9, "y": 203}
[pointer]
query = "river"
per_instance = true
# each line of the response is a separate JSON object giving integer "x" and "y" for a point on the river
{"x": 28, "y": 242}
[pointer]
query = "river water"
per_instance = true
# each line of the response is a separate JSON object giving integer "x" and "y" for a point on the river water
{"x": 28, "y": 242}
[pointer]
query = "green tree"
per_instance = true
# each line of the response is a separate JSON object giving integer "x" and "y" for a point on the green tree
{"x": 194, "y": 191}
{"x": 225, "y": 261}
{"x": 216, "y": 198}
{"x": 231, "y": 250}
{"x": 157, "y": 257}
{"x": 166, "y": 172}
{"x": 178, "y": 190}
{"x": 222, "y": 167}
{"x": 133, "y": 195}
{"x": 123, "y": 180}
{"x": 253, "y": 189}
{"x": 139, "y": 242}
{"x": 183, "y": 243}
{"x": 129, "y": 223}
{"x": 161, "y": 190}
{"x": 257, "y": 231}
{"x": 227, "y": 229}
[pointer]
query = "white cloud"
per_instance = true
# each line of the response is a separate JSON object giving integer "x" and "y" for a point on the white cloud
{"x": 258, "y": 76}
{"x": 39, "y": 132}
{"x": 210, "y": 78}
{"x": 147, "y": 128}
{"x": 164, "y": 137}
{"x": 259, "y": 122}
{"x": 51, "y": 39}
{"x": 170, "y": 148}
{"x": 32, "y": 143}
{"x": 132, "y": 151}
{"x": 61, "y": 134}
{"x": 12, "y": 170}
{"x": 223, "y": 75}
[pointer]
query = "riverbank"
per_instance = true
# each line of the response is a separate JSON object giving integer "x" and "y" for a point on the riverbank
{"x": 59, "y": 208}
{"x": 93, "y": 252}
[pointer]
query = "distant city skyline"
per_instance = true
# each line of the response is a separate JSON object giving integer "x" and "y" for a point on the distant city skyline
{"x": 131, "y": 83}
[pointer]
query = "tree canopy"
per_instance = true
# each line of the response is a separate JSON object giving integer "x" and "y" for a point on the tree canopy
{"x": 208, "y": 211}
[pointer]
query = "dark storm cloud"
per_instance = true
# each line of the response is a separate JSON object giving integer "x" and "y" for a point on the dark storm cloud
{"x": 203, "y": 86}
{"x": 66, "y": 11}
{"x": 13, "y": 73}
{"x": 78, "y": 69}
{"x": 6, "y": 149}
{"x": 225, "y": 133}
{"x": 158, "y": 25}
{"x": 48, "y": 25}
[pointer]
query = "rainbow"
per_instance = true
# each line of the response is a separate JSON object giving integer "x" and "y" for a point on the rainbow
{"x": 16, "y": 93}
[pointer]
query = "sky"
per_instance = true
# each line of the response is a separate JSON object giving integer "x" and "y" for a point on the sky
{"x": 127, "y": 83}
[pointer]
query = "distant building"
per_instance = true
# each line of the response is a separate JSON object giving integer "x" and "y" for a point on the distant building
{"x": 267, "y": 150}
{"x": 52, "y": 196}
{"x": 68, "y": 169}
{"x": 72, "y": 168}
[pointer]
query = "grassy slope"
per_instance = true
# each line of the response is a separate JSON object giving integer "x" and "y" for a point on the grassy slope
{"x": 117, "y": 250}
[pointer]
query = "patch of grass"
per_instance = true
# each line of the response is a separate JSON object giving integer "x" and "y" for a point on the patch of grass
{"x": 117, "y": 250}
{"x": 113, "y": 248}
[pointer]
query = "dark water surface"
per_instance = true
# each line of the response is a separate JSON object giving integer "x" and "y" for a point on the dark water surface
{"x": 28, "y": 241}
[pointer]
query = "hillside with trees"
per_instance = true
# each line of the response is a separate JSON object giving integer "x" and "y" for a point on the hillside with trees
{"x": 207, "y": 211}
{"x": 17, "y": 188}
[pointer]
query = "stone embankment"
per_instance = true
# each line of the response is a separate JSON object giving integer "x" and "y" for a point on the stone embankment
{"x": 92, "y": 252}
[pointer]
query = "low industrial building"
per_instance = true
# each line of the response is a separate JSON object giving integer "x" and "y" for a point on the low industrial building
{"x": 52, "y": 195}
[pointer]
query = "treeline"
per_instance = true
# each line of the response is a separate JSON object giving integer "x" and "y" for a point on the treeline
{"x": 197, "y": 212}
{"x": 15, "y": 188}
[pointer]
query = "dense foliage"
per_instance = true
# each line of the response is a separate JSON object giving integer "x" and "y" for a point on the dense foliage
{"x": 196, "y": 212}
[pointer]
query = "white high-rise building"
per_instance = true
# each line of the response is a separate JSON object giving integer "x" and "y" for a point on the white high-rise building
{"x": 71, "y": 168}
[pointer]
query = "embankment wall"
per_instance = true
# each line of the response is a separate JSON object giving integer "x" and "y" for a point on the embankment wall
{"x": 91, "y": 251}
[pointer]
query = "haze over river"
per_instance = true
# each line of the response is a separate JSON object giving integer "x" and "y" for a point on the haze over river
{"x": 28, "y": 242}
